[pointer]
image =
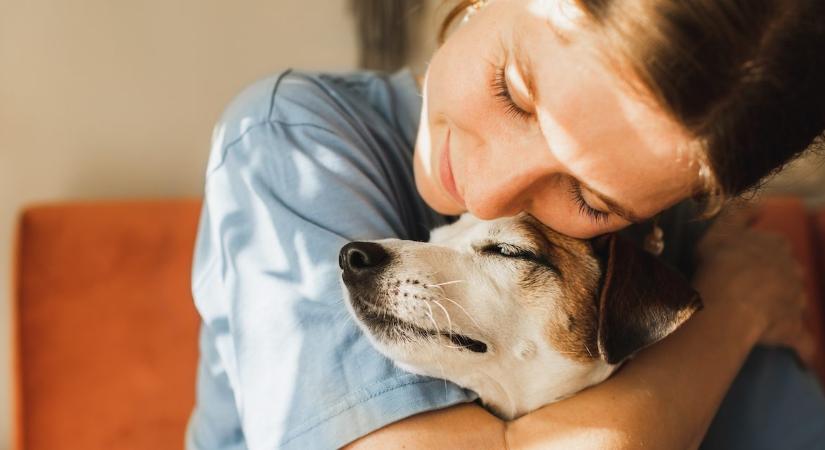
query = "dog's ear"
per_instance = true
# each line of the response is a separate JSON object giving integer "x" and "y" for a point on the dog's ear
{"x": 642, "y": 300}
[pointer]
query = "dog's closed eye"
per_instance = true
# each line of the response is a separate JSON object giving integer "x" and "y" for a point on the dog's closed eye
{"x": 513, "y": 251}
{"x": 510, "y": 250}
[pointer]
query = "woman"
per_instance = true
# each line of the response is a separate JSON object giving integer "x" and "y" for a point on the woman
{"x": 589, "y": 115}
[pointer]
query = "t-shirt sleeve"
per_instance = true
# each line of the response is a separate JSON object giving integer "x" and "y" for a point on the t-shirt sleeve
{"x": 282, "y": 363}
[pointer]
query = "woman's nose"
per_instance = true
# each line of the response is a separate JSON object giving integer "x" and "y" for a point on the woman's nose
{"x": 505, "y": 187}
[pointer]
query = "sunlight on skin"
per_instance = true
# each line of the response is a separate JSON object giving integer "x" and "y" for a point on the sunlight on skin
{"x": 563, "y": 15}
{"x": 423, "y": 142}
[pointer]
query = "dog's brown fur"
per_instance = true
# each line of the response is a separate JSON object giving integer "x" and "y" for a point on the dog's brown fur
{"x": 575, "y": 330}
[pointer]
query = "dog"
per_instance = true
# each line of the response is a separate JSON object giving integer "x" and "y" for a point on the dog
{"x": 511, "y": 309}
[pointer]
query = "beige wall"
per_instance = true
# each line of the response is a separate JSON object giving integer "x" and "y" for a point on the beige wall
{"x": 107, "y": 98}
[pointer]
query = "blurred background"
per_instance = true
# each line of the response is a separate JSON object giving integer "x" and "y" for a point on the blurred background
{"x": 116, "y": 99}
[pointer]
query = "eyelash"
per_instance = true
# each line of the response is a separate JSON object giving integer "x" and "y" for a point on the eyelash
{"x": 509, "y": 250}
{"x": 598, "y": 217}
{"x": 502, "y": 93}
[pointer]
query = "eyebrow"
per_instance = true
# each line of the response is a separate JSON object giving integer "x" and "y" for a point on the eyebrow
{"x": 614, "y": 206}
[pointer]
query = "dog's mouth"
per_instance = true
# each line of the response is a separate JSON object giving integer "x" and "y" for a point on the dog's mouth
{"x": 383, "y": 323}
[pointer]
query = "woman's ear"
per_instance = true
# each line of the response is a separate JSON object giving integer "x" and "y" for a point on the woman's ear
{"x": 642, "y": 299}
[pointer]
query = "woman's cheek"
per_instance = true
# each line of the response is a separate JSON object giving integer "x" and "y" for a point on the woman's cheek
{"x": 462, "y": 70}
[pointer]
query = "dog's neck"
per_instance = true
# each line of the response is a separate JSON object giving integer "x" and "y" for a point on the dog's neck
{"x": 514, "y": 393}
{"x": 516, "y": 384}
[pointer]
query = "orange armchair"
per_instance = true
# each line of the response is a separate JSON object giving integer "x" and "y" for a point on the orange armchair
{"x": 106, "y": 333}
{"x": 105, "y": 326}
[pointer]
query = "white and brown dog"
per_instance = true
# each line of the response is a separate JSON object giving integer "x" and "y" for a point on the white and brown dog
{"x": 520, "y": 314}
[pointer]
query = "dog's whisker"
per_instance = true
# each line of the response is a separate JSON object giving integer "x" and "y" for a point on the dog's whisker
{"x": 445, "y": 283}
{"x": 342, "y": 314}
{"x": 444, "y": 296}
{"x": 444, "y": 377}
{"x": 440, "y": 286}
{"x": 438, "y": 341}
{"x": 435, "y": 286}
{"x": 462, "y": 308}
{"x": 441, "y": 369}
{"x": 458, "y": 347}
{"x": 432, "y": 318}
{"x": 447, "y": 314}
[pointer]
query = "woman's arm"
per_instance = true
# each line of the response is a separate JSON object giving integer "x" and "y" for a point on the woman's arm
{"x": 667, "y": 396}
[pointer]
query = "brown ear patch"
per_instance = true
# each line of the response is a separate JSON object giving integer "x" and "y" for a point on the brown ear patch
{"x": 642, "y": 300}
{"x": 612, "y": 302}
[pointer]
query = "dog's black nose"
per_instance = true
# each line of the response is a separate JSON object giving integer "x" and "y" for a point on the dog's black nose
{"x": 363, "y": 257}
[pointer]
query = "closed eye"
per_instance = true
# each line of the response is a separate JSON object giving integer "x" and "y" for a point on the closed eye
{"x": 513, "y": 251}
{"x": 505, "y": 249}
{"x": 501, "y": 90}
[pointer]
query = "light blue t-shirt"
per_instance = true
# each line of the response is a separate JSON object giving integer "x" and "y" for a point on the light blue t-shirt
{"x": 301, "y": 164}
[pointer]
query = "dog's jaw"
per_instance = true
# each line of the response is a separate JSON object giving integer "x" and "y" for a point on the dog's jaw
{"x": 512, "y": 380}
{"x": 511, "y": 387}
{"x": 514, "y": 385}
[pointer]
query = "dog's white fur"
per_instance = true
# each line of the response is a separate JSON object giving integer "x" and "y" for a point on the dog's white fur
{"x": 456, "y": 283}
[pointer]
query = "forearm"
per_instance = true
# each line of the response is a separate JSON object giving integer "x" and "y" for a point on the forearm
{"x": 665, "y": 398}
{"x": 465, "y": 426}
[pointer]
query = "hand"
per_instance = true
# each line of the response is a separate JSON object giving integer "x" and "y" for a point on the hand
{"x": 754, "y": 273}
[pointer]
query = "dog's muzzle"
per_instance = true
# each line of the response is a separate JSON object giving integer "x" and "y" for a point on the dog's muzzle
{"x": 363, "y": 263}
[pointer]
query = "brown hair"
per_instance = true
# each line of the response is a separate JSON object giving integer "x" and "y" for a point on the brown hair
{"x": 744, "y": 77}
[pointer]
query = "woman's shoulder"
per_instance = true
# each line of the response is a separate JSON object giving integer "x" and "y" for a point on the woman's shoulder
{"x": 324, "y": 145}
{"x": 331, "y": 101}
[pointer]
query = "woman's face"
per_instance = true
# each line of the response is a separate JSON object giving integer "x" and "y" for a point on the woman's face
{"x": 521, "y": 114}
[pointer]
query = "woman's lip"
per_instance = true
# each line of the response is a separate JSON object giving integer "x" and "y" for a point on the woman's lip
{"x": 446, "y": 172}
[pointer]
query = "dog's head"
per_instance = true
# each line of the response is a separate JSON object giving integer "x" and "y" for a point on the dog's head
{"x": 510, "y": 308}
